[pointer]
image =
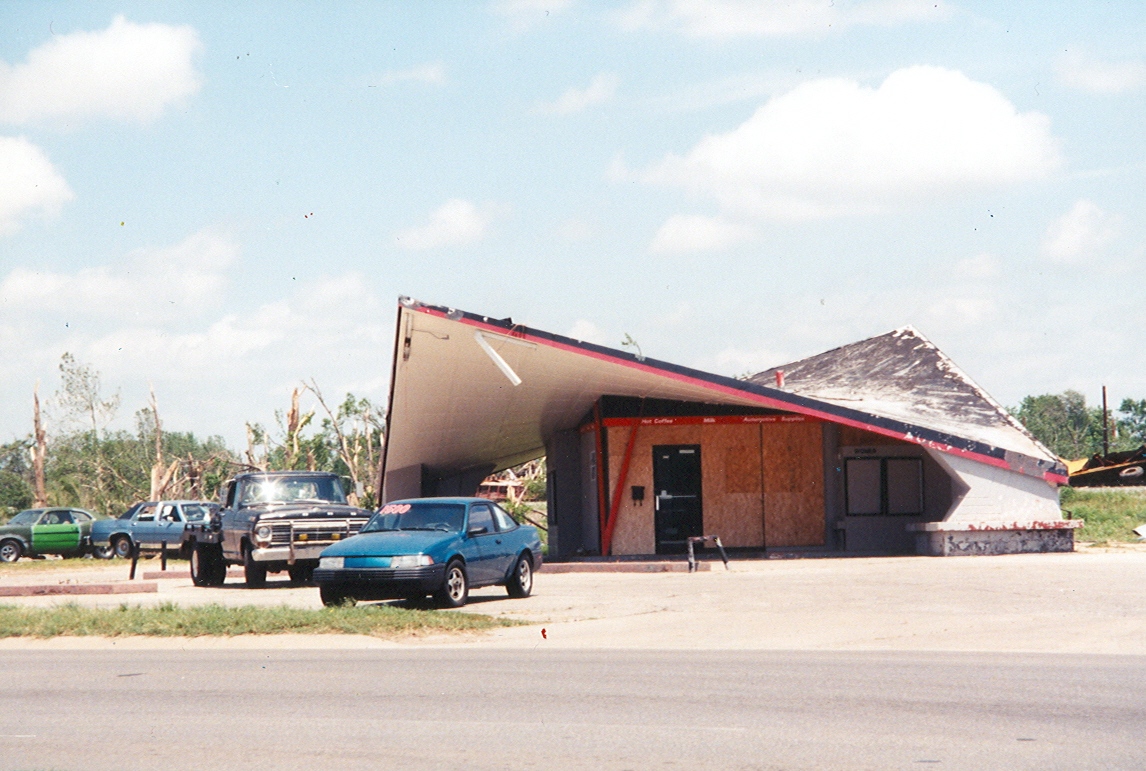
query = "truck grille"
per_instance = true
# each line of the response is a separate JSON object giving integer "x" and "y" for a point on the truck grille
{"x": 320, "y": 532}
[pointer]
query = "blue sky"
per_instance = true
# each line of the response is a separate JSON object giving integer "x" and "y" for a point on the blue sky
{"x": 222, "y": 200}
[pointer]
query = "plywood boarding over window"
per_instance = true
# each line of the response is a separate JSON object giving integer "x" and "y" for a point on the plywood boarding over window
{"x": 793, "y": 484}
{"x": 732, "y": 471}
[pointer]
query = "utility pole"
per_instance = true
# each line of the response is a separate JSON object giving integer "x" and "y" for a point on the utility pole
{"x": 1105, "y": 426}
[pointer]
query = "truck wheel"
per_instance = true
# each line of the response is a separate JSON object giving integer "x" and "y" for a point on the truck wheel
{"x": 254, "y": 572}
{"x": 207, "y": 566}
{"x": 333, "y": 597}
{"x": 300, "y": 574}
{"x": 10, "y": 551}
{"x": 122, "y": 547}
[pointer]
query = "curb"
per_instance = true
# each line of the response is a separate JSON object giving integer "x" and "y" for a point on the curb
{"x": 622, "y": 567}
{"x": 34, "y": 591}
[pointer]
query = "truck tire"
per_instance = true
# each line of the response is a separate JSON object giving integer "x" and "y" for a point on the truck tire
{"x": 254, "y": 572}
{"x": 207, "y": 566}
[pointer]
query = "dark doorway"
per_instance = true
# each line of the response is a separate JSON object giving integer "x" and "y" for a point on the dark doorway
{"x": 676, "y": 482}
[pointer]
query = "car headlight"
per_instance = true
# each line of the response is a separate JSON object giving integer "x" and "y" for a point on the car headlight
{"x": 411, "y": 561}
{"x": 263, "y": 535}
{"x": 330, "y": 563}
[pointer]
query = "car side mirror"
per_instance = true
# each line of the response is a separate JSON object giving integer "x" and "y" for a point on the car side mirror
{"x": 479, "y": 530}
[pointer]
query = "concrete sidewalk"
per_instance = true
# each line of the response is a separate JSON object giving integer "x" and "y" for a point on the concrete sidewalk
{"x": 1089, "y": 602}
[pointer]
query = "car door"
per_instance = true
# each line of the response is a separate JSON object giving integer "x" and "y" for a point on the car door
{"x": 143, "y": 527}
{"x": 56, "y": 532}
{"x": 168, "y": 526}
{"x": 482, "y": 534}
{"x": 508, "y": 541}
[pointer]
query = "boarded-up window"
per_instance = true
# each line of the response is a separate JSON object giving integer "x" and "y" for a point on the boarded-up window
{"x": 742, "y": 469}
{"x": 904, "y": 486}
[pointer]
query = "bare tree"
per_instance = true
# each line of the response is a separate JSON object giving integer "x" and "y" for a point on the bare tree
{"x": 39, "y": 451}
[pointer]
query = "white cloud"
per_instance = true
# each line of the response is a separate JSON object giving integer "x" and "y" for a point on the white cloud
{"x": 433, "y": 73}
{"x": 723, "y": 19}
{"x": 694, "y": 233}
{"x": 242, "y": 363}
{"x": 601, "y": 89}
{"x": 28, "y": 182}
{"x": 831, "y": 147}
{"x": 1080, "y": 234}
{"x": 737, "y": 361}
{"x": 128, "y": 71}
{"x": 173, "y": 282}
{"x": 456, "y": 222}
{"x": 1085, "y": 74}
{"x": 587, "y": 331}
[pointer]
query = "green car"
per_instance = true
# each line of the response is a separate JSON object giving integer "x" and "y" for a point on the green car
{"x": 45, "y": 531}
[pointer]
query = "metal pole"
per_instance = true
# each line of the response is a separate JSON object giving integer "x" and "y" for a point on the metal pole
{"x": 163, "y": 555}
{"x": 134, "y": 560}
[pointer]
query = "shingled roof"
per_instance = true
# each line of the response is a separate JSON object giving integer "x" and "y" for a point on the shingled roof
{"x": 903, "y": 376}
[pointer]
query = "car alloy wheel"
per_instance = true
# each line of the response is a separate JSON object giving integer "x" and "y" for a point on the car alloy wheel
{"x": 10, "y": 551}
{"x": 520, "y": 584}
{"x": 456, "y": 587}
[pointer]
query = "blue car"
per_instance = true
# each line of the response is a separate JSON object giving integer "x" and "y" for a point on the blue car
{"x": 438, "y": 546}
{"x": 149, "y": 524}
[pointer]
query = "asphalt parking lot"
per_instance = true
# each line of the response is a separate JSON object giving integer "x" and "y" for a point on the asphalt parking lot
{"x": 1086, "y": 602}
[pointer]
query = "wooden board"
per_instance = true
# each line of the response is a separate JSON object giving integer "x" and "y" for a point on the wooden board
{"x": 793, "y": 485}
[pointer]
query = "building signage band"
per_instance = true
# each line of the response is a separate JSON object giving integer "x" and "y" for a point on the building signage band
{"x": 721, "y": 420}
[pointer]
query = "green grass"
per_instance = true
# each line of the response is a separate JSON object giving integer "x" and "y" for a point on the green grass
{"x": 1111, "y": 514}
{"x": 170, "y": 620}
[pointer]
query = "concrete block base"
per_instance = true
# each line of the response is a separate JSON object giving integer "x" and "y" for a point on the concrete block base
{"x": 950, "y": 543}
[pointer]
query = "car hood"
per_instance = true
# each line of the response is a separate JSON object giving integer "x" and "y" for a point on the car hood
{"x": 389, "y": 543}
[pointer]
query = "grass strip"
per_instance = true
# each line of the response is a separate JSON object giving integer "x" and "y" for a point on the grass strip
{"x": 171, "y": 620}
{"x": 1111, "y": 514}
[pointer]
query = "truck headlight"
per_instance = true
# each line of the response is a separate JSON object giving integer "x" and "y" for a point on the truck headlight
{"x": 263, "y": 535}
{"x": 411, "y": 561}
{"x": 330, "y": 563}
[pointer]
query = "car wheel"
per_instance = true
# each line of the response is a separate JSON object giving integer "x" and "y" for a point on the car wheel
{"x": 300, "y": 574}
{"x": 520, "y": 583}
{"x": 103, "y": 552}
{"x": 333, "y": 597}
{"x": 255, "y": 573}
{"x": 10, "y": 551}
{"x": 456, "y": 586}
{"x": 122, "y": 547}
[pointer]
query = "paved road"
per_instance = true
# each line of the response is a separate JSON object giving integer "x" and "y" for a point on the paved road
{"x": 475, "y": 708}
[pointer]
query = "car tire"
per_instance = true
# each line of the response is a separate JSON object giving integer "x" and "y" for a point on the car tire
{"x": 254, "y": 572}
{"x": 10, "y": 551}
{"x": 121, "y": 545}
{"x": 333, "y": 597}
{"x": 455, "y": 586}
{"x": 520, "y": 583}
{"x": 103, "y": 552}
{"x": 300, "y": 574}
{"x": 207, "y": 566}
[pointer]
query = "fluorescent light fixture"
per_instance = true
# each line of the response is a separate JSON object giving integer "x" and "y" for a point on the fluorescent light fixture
{"x": 495, "y": 357}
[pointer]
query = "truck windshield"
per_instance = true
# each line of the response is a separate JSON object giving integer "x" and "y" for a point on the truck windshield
{"x": 291, "y": 489}
{"x": 418, "y": 516}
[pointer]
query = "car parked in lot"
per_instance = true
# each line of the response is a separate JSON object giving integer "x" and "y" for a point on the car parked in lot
{"x": 34, "y": 532}
{"x": 149, "y": 524}
{"x": 438, "y": 546}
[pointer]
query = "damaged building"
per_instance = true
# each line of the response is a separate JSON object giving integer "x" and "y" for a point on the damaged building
{"x": 881, "y": 446}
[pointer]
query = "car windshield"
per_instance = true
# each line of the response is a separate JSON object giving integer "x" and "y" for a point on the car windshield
{"x": 196, "y": 512}
{"x": 25, "y": 518}
{"x": 290, "y": 489}
{"x": 447, "y": 517}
